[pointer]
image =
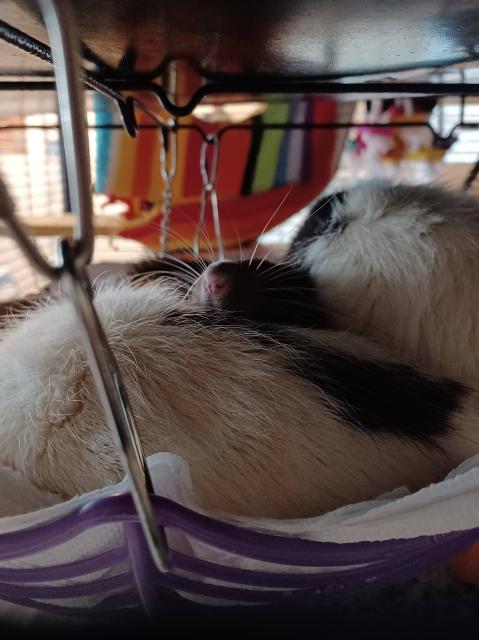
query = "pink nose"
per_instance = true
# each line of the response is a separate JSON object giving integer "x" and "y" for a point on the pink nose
{"x": 215, "y": 283}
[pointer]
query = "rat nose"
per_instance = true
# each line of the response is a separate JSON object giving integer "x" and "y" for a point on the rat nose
{"x": 215, "y": 283}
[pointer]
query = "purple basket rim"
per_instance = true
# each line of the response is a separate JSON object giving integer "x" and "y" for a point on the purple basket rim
{"x": 217, "y": 533}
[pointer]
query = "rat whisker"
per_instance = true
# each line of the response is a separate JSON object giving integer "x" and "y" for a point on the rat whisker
{"x": 269, "y": 222}
{"x": 301, "y": 222}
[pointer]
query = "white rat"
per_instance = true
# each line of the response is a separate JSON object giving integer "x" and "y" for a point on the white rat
{"x": 273, "y": 421}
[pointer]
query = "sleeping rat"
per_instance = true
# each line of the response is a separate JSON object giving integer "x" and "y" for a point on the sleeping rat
{"x": 399, "y": 264}
{"x": 273, "y": 421}
{"x": 257, "y": 290}
{"x": 261, "y": 291}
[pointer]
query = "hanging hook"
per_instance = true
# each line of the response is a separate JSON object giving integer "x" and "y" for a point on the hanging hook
{"x": 168, "y": 144}
{"x": 208, "y": 172}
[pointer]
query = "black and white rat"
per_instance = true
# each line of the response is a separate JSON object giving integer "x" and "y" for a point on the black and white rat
{"x": 257, "y": 290}
{"x": 399, "y": 264}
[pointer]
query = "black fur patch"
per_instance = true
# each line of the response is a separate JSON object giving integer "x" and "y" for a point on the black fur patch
{"x": 375, "y": 396}
{"x": 383, "y": 396}
{"x": 160, "y": 267}
{"x": 318, "y": 222}
{"x": 264, "y": 292}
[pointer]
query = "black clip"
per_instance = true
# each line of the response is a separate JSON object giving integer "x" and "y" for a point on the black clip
{"x": 127, "y": 110}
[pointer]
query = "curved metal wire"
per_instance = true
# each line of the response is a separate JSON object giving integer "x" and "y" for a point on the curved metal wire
{"x": 114, "y": 401}
{"x": 72, "y": 273}
{"x": 208, "y": 172}
{"x": 223, "y": 84}
{"x": 65, "y": 53}
{"x": 18, "y": 233}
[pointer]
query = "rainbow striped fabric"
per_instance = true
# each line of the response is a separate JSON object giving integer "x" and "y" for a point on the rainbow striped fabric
{"x": 255, "y": 168}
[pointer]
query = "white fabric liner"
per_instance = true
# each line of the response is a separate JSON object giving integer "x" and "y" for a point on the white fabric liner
{"x": 449, "y": 505}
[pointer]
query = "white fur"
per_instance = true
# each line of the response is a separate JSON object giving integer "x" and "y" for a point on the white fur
{"x": 405, "y": 271}
{"x": 259, "y": 440}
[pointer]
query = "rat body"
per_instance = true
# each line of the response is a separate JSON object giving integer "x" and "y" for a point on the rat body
{"x": 400, "y": 264}
{"x": 272, "y": 420}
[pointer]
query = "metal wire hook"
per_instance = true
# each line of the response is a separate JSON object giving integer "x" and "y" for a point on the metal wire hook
{"x": 18, "y": 233}
{"x": 64, "y": 45}
{"x": 72, "y": 273}
{"x": 208, "y": 175}
{"x": 114, "y": 401}
{"x": 208, "y": 172}
{"x": 168, "y": 145}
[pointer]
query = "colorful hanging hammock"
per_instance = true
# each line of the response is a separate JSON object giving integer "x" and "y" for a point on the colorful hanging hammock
{"x": 258, "y": 171}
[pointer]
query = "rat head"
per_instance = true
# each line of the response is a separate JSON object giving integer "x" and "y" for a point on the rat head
{"x": 398, "y": 263}
{"x": 261, "y": 291}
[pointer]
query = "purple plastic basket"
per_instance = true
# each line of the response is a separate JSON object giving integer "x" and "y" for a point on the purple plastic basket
{"x": 343, "y": 568}
{"x": 133, "y": 581}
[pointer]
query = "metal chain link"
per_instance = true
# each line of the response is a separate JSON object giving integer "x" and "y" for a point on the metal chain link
{"x": 168, "y": 145}
{"x": 208, "y": 193}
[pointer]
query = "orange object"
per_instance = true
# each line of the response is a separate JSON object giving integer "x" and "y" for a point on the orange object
{"x": 465, "y": 565}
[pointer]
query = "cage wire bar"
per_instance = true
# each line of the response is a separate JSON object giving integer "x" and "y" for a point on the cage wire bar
{"x": 113, "y": 86}
{"x": 72, "y": 274}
